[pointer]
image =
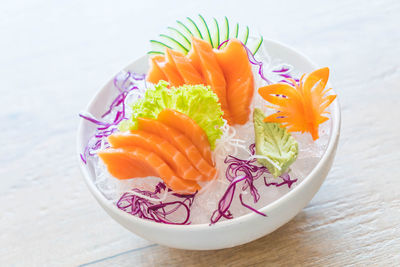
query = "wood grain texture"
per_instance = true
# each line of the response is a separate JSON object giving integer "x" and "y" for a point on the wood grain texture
{"x": 56, "y": 54}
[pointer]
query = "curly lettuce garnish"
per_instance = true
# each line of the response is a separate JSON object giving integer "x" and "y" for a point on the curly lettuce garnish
{"x": 197, "y": 101}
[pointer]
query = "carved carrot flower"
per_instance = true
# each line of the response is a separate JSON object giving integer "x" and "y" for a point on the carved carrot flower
{"x": 300, "y": 107}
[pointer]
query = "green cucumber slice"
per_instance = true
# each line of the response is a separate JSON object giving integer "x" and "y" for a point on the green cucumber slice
{"x": 246, "y": 36}
{"x": 224, "y": 31}
{"x": 195, "y": 27}
{"x": 185, "y": 27}
{"x": 158, "y": 46}
{"x": 237, "y": 30}
{"x": 258, "y": 45}
{"x": 207, "y": 30}
{"x": 155, "y": 53}
{"x": 179, "y": 37}
{"x": 180, "y": 34}
{"x": 227, "y": 29}
{"x": 175, "y": 42}
{"x": 217, "y": 41}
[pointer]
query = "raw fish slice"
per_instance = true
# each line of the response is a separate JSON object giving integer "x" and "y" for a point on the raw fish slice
{"x": 195, "y": 60}
{"x": 239, "y": 78}
{"x": 189, "y": 128}
{"x": 138, "y": 162}
{"x": 167, "y": 152}
{"x": 185, "y": 68}
{"x": 212, "y": 72}
{"x": 170, "y": 72}
{"x": 155, "y": 74}
{"x": 181, "y": 142}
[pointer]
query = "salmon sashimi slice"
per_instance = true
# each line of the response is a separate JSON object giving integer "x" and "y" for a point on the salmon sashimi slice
{"x": 181, "y": 142}
{"x": 155, "y": 74}
{"x": 195, "y": 60}
{"x": 138, "y": 162}
{"x": 239, "y": 78}
{"x": 212, "y": 72}
{"x": 170, "y": 72}
{"x": 186, "y": 125}
{"x": 167, "y": 152}
{"x": 185, "y": 68}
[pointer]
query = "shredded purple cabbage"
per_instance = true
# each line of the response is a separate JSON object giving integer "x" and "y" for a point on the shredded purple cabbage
{"x": 241, "y": 170}
{"x": 125, "y": 83}
{"x": 283, "y": 69}
{"x": 221, "y": 44}
{"x": 159, "y": 212}
{"x": 284, "y": 72}
{"x": 286, "y": 180}
{"x": 225, "y": 202}
{"x": 250, "y": 207}
{"x": 255, "y": 62}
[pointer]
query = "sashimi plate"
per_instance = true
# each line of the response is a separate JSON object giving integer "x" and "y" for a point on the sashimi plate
{"x": 225, "y": 233}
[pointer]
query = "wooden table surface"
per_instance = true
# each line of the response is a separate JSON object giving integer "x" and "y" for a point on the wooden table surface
{"x": 56, "y": 54}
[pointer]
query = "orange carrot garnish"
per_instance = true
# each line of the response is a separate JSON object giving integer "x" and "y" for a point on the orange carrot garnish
{"x": 300, "y": 105}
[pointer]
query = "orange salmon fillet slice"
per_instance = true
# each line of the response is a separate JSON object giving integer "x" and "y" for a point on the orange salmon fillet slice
{"x": 155, "y": 74}
{"x": 167, "y": 152}
{"x": 195, "y": 60}
{"x": 212, "y": 72}
{"x": 185, "y": 68}
{"x": 186, "y": 125}
{"x": 239, "y": 78}
{"x": 171, "y": 73}
{"x": 181, "y": 142}
{"x": 138, "y": 162}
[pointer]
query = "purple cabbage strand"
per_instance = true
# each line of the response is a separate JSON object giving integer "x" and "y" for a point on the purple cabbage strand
{"x": 241, "y": 170}
{"x": 125, "y": 85}
{"x": 160, "y": 212}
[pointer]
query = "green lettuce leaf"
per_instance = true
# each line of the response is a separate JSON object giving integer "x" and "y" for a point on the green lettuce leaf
{"x": 197, "y": 101}
{"x": 275, "y": 143}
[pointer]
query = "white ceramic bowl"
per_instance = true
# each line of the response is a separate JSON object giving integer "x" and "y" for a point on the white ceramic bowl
{"x": 231, "y": 232}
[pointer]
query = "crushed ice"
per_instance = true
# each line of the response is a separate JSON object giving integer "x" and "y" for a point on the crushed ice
{"x": 234, "y": 141}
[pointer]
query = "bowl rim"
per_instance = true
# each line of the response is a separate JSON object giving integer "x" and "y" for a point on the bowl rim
{"x": 333, "y": 139}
